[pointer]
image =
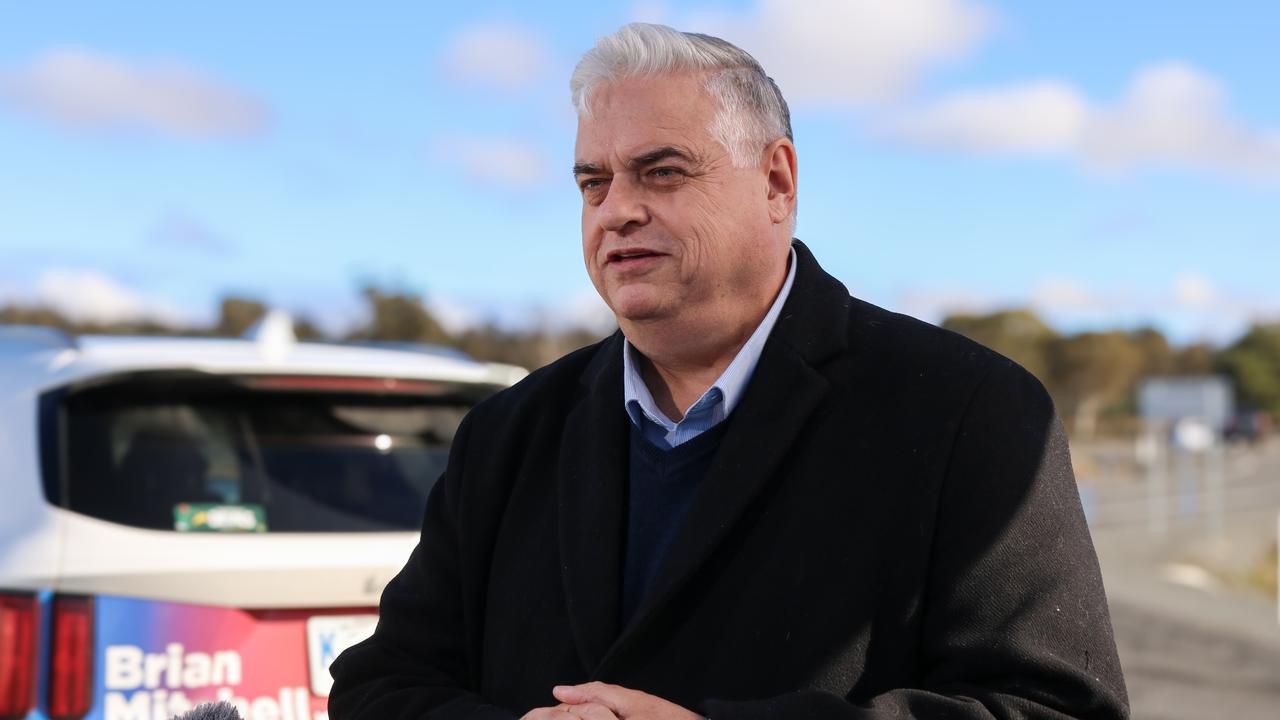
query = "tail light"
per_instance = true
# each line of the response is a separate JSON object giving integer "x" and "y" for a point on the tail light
{"x": 71, "y": 658}
{"x": 18, "y": 614}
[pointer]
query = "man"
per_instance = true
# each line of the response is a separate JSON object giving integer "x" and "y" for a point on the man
{"x": 761, "y": 498}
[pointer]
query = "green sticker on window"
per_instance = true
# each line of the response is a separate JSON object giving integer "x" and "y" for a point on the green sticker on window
{"x": 215, "y": 517}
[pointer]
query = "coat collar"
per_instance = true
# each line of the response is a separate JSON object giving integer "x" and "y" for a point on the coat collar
{"x": 815, "y": 318}
{"x": 784, "y": 390}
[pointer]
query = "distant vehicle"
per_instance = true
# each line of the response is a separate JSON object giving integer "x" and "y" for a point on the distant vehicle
{"x": 1248, "y": 426}
{"x": 184, "y": 520}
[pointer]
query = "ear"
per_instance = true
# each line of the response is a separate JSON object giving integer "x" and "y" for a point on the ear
{"x": 780, "y": 171}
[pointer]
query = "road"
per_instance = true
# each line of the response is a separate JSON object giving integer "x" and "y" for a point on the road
{"x": 1179, "y": 670}
{"x": 1197, "y": 638}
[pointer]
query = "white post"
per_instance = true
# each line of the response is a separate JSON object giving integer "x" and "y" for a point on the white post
{"x": 1215, "y": 502}
{"x": 1150, "y": 451}
{"x": 1187, "y": 482}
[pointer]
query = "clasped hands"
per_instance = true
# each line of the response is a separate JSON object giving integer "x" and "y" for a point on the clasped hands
{"x": 601, "y": 701}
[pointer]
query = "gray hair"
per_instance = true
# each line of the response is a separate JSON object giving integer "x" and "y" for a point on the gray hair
{"x": 752, "y": 112}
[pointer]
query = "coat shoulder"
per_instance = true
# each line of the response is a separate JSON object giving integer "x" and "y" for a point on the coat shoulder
{"x": 895, "y": 340}
{"x": 547, "y": 387}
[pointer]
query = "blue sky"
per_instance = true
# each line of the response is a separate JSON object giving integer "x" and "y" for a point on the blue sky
{"x": 1109, "y": 164}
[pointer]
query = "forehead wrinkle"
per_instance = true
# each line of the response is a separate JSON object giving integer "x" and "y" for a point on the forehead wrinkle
{"x": 619, "y": 133}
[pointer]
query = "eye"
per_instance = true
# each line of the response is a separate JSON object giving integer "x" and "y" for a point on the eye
{"x": 666, "y": 175}
{"x": 590, "y": 184}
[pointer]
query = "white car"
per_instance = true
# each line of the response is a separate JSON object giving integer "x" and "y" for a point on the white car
{"x": 184, "y": 520}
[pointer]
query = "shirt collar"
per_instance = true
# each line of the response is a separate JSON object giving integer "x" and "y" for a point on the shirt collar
{"x": 724, "y": 393}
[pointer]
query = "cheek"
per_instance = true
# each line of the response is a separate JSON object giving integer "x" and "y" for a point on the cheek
{"x": 717, "y": 241}
{"x": 590, "y": 251}
{"x": 591, "y": 239}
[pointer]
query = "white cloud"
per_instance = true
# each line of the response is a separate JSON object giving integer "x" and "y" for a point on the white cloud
{"x": 1037, "y": 118}
{"x": 851, "y": 52}
{"x": 1171, "y": 114}
{"x": 509, "y": 163}
{"x": 86, "y": 90}
{"x": 1205, "y": 313}
{"x": 500, "y": 56}
{"x": 1175, "y": 114}
{"x": 1053, "y": 298}
{"x": 934, "y": 305}
{"x": 92, "y": 296}
{"x": 1064, "y": 295}
{"x": 1194, "y": 290}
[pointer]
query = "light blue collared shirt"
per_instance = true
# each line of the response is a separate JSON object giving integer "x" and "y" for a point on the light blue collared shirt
{"x": 719, "y": 399}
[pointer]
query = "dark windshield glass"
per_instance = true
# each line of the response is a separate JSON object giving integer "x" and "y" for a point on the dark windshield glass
{"x": 201, "y": 454}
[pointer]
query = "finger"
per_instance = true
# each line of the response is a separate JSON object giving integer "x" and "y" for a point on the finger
{"x": 592, "y": 711}
{"x": 555, "y": 713}
{"x": 616, "y": 698}
{"x": 558, "y": 712}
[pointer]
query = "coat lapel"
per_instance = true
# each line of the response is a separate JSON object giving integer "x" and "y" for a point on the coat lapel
{"x": 592, "y": 505}
{"x": 784, "y": 391}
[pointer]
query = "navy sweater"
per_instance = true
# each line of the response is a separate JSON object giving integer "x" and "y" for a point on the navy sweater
{"x": 662, "y": 485}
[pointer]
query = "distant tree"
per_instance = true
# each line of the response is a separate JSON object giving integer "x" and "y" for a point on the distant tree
{"x": 35, "y": 315}
{"x": 1019, "y": 335}
{"x": 1158, "y": 358}
{"x": 236, "y": 314}
{"x": 50, "y": 317}
{"x": 1090, "y": 370}
{"x": 1195, "y": 359}
{"x": 528, "y": 348}
{"x": 1253, "y": 363}
{"x": 398, "y": 316}
{"x": 306, "y": 329}
{"x": 137, "y": 327}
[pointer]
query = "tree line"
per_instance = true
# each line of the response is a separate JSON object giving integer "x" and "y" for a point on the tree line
{"x": 390, "y": 316}
{"x": 1092, "y": 376}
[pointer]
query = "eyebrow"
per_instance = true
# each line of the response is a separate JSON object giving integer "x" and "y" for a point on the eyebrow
{"x": 658, "y": 155}
{"x": 653, "y": 156}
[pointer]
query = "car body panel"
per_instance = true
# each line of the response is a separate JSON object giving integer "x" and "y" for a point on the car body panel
{"x": 181, "y": 618}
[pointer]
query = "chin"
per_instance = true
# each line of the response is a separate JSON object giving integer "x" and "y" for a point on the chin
{"x": 636, "y": 306}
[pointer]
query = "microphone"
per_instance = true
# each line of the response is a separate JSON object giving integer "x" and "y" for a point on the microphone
{"x": 211, "y": 711}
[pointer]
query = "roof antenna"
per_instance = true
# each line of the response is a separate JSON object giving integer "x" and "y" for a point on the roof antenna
{"x": 273, "y": 334}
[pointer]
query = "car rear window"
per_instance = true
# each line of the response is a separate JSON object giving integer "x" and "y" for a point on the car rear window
{"x": 254, "y": 454}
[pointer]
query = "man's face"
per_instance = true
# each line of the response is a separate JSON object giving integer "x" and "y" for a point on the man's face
{"x": 670, "y": 229}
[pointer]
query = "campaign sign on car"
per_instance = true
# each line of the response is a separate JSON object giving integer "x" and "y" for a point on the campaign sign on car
{"x": 157, "y": 659}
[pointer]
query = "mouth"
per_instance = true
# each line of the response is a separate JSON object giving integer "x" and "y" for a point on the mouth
{"x": 629, "y": 256}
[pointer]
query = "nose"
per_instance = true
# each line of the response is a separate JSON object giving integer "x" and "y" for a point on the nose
{"x": 623, "y": 208}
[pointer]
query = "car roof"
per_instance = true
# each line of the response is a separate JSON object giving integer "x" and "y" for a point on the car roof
{"x": 41, "y": 357}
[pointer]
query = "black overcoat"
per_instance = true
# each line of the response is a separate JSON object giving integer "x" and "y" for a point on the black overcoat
{"x": 890, "y": 529}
